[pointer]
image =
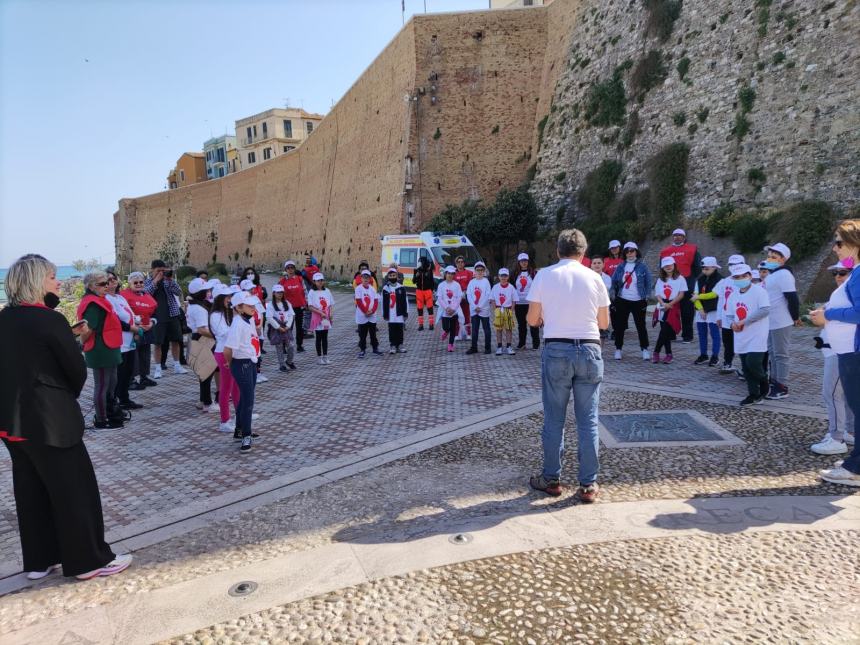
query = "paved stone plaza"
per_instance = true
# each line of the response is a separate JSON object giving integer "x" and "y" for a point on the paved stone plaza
{"x": 343, "y": 513}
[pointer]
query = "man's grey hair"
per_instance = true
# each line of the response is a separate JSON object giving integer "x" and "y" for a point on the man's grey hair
{"x": 25, "y": 281}
{"x": 92, "y": 277}
{"x": 571, "y": 243}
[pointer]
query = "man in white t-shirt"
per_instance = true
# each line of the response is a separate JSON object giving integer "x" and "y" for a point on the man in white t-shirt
{"x": 571, "y": 359}
{"x": 784, "y": 314}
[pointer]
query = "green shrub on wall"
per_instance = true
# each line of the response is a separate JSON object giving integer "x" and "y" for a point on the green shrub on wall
{"x": 606, "y": 102}
{"x": 662, "y": 15}
{"x": 804, "y": 227}
{"x": 667, "y": 178}
{"x": 598, "y": 188}
{"x": 721, "y": 222}
{"x": 647, "y": 73}
{"x": 750, "y": 231}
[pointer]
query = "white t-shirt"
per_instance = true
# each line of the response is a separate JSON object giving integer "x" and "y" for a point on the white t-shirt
{"x": 220, "y": 329}
{"x": 324, "y": 301}
{"x": 724, "y": 289}
{"x": 124, "y": 312}
{"x": 275, "y": 317}
{"x": 390, "y": 291}
{"x": 368, "y": 296}
{"x": 448, "y": 296}
{"x": 242, "y": 339}
{"x": 523, "y": 282}
{"x": 669, "y": 289}
{"x": 629, "y": 290}
{"x": 778, "y": 284}
{"x": 557, "y": 287}
{"x": 838, "y": 334}
{"x": 753, "y": 337}
{"x": 478, "y": 295}
{"x": 607, "y": 281}
{"x": 196, "y": 317}
{"x": 504, "y": 297}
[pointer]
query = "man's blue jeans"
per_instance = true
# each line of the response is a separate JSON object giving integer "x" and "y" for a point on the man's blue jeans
{"x": 566, "y": 367}
{"x": 849, "y": 372}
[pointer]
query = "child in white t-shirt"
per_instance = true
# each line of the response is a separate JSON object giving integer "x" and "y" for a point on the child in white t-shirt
{"x": 448, "y": 297}
{"x": 748, "y": 310}
{"x": 321, "y": 305}
{"x": 241, "y": 353}
{"x": 279, "y": 324}
{"x": 669, "y": 289}
{"x": 395, "y": 310}
{"x": 366, "y": 306}
{"x": 502, "y": 299}
{"x": 478, "y": 297}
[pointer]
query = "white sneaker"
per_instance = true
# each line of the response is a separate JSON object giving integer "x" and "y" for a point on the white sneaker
{"x": 38, "y": 575}
{"x": 498, "y": 351}
{"x": 261, "y": 378}
{"x": 849, "y": 439}
{"x": 156, "y": 371}
{"x": 326, "y": 361}
{"x": 617, "y": 354}
{"x": 646, "y": 355}
{"x": 829, "y": 446}
{"x": 510, "y": 351}
{"x": 207, "y": 408}
{"x": 840, "y": 476}
{"x": 178, "y": 369}
{"x": 321, "y": 360}
{"x": 119, "y": 564}
{"x": 392, "y": 351}
{"x": 226, "y": 426}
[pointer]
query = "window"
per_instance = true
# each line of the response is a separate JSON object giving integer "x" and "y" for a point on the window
{"x": 445, "y": 254}
{"x": 265, "y": 130}
{"x": 288, "y": 129}
{"x": 310, "y": 125}
{"x": 181, "y": 175}
{"x": 221, "y": 171}
{"x": 288, "y": 148}
{"x": 252, "y": 157}
{"x": 408, "y": 257}
{"x": 249, "y": 133}
{"x": 267, "y": 153}
{"x": 220, "y": 155}
{"x": 255, "y": 131}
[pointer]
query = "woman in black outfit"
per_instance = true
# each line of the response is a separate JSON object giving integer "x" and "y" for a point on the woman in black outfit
{"x": 42, "y": 373}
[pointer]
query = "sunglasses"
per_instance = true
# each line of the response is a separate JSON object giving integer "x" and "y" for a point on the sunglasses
{"x": 837, "y": 243}
{"x": 138, "y": 282}
{"x": 101, "y": 284}
{"x": 841, "y": 274}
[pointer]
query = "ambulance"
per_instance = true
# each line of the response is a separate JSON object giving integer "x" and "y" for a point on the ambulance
{"x": 439, "y": 248}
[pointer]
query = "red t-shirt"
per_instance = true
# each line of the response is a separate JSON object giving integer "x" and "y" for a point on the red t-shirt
{"x": 294, "y": 290}
{"x": 463, "y": 278}
{"x": 683, "y": 256}
{"x": 586, "y": 261}
{"x": 142, "y": 304}
{"x": 610, "y": 264}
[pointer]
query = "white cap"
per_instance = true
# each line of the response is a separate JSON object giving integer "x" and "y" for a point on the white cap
{"x": 845, "y": 264}
{"x": 522, "y": 256}
{"x": 234, "y": 288}
{"x": 631, "y": 245}
{"x": 450, "y": 269}
{"x": 251, "y": 299}
{"x": 278, "y": 288}
{"x": 667, "y": 261}
{"x": 504, "y": 271}
{"x": 245, "y": 285}
{"x": 199, "y": 284}
{"x": 391, "y": 269}
{"x": 289, "y": 262}
{"x": 755, "y": 274}
{"x": 366, "y": 272}
{"x": 318, "y": 276}
{"x": 780, "y": 248}
{"x": 221, "y": 290}
{"x": 736, "y": 259}
{"x": 740, "y": 269}
{"x": 239, "y": 298}
{"x": 479, "y": 263}
{"x": 710, "y": 261}
{"x": 614, "y": 243}
{"x": 679, "y": 231}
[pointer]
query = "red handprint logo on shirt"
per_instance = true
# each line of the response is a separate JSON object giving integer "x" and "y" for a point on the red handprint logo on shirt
{"x": 726, "y": 297}
{"x": 366, "y": 302}
{"x": 255, "y": 342}
{"x": 450, "y": 294}
{"x": 667, "y": 291}
{"x": 523, "y": 282}
{"x": 741, "y": 311}
{"x": 502, "y": 299}
{"x": 477, "y": 296}
{"x": 628, "y": 279}
{"x": 324, "y": 306}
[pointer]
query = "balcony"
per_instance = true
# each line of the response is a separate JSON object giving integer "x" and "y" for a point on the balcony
{"x": 267, "y": 136}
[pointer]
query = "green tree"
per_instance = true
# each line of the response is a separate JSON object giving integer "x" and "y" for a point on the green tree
{"x": 512, "y": 217}
{"x": 82, "y": 266}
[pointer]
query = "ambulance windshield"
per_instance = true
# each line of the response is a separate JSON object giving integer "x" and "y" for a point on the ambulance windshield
{"x": 445, "y": 255}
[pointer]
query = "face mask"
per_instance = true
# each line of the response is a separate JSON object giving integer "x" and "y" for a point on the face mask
{"x": 742, "y": 284}
{"x": 770, "y": 265}
{"x": 52, "y": 300}
{"x": 393, "y": 280}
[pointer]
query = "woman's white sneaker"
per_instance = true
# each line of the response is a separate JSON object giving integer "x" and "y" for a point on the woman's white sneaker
{"x": 617, "y": 354}
{"x": 227, "y": 426}
{"x": 839, "y": 475}
{"x": 38, "y": 575}
{"x": 156, "y": 371}
{"x": 829, "y": 446}
{"x": 119, "y": 564}
{"x": 646, "y": 355}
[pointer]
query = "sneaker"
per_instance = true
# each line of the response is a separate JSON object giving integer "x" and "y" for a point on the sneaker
{"x": 839, "y": 475}
{"x": 292, "y": 366}
{"x": 300, "y": 350}
{"x": 136, "y": 386}
{"x": 829, "y": 446}
{"x": 283, "y": 368}
{"x": 617, "y": 354}
{"x": 326, "y": 361}
{"x": 667, "y": 359}
{"x": 451, "y": 347}
{"x": 703, "y": 358}
{"x": 498, "y": 351}
{"x": 521, "y": 346}
{"x": 119, "y": 564}
{"x": 108, "y": 423}
{"x": 261, "y": 378}
{"x": 487, "y": 351}
{"x": 392, "y": 351}
{"x": 245, "y": 448}
{"x": 400, "y": 350}
{"x": 686, "y": 341}
{"x": 510, "y": 351}
{"x": 646, "y": 355}
{"x": 588, "y": 494}
{"x": 420, "y": 327}
{"x": 431, "y": 326}
{"x": 740, "y": 374}
{"x": 321, "y": 360}
{"x": 199, "y": 405}
{"x": 549, "y": 486}
{"x": 226, "y": 426}
{"x": 655, "y": 357}
{"x": 751, "y": 400}
{"x": 472, "y": 350}
{"x": 444, "y": 335}
{"x": 727, "y": 368}
{"x": 362, "y": 354}
{"x": 377, "y": 352}
{"x": 178, "y": 369}
{"x": 714, "y": 361}
{"x": 254, "y": 416}
{"x": 156, "y": 372}
{"x": 849, "y": 439}
{"x": 148, "y": 382}
{"x": 130, "y": 405}
{"x": 207, "y": 408}
{"x": 38, "y": 575}
{"x": 777, "y": 391}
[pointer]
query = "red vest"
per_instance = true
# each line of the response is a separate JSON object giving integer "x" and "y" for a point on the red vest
{"x": 683, "y": 256}
{"x": 294, "y": 291}
{"x": 142, "y": 304}
{"x": 610, "y": 264}
{"x": 112, "y": 330}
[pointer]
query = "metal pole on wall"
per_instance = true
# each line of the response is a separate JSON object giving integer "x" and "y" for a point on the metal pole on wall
{"x": 403, "y": 11}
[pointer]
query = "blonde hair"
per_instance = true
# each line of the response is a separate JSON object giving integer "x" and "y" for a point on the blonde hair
{"x": 849, "y": 231}
{"x": 25, "y": 281}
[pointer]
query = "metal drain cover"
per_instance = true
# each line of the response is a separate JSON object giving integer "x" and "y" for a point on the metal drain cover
{"x": 244, "y": 588}
{"x": 461, "y": 538}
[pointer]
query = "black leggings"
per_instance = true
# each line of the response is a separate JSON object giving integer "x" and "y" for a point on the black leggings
{"x": 321, "y": 340}
{"x": 520, "y": 311}
{"x": 665, "y": 338}
{"x": 206, "y": 390}
{"x": 144, "y": 354}
{"x": 623, "y": 309}
{"x": 124, "y": 373}
{"x": 300, "y": 326}
{"x": 728, "y": 346}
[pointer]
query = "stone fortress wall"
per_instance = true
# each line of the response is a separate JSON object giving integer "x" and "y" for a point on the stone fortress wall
{"x": 451, "y": 109}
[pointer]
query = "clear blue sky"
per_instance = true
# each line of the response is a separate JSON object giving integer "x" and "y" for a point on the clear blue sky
{"x": 98, "y": 99}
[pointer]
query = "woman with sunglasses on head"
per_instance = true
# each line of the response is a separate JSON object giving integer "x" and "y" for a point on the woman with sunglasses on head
{"x": 846, "y": 310}
{"x": 143, "y": 306}
{"x": 130, "y": 334}
{"x": 102, "y": 347}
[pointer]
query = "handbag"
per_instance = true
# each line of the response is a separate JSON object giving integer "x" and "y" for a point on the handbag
{"x": 201, "y": 358}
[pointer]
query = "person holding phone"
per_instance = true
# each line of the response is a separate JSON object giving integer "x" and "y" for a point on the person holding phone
{"x": 161, "y": 286}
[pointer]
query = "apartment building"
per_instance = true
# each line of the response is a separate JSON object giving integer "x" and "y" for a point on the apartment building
{"x": 272, "y": 133}
{"x": 217, "y": 153}
{"x": 190, "y": 169}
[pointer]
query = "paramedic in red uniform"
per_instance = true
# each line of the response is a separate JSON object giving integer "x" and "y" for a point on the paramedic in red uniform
{"x": 689, "y": 263}
{"x": 462, "y": 277}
